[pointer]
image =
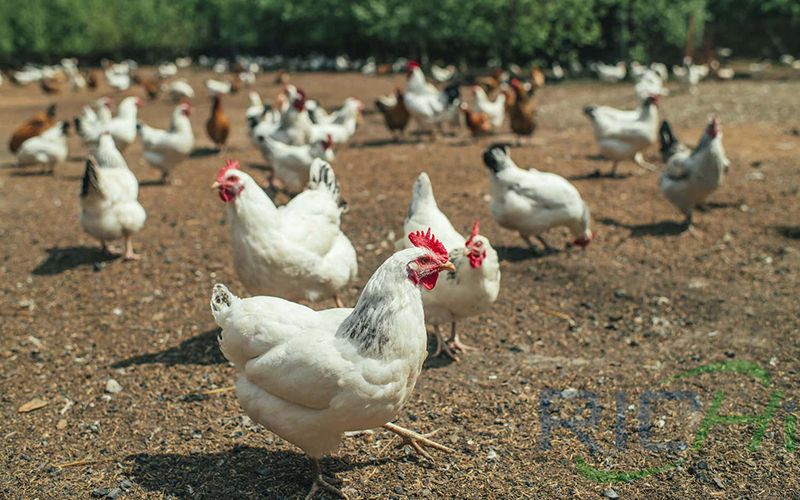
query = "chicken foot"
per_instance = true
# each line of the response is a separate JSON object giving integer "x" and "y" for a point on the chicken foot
{"x": 442, "y": 346}
{"x": 338, "y": 300}
{"x": 455, "y": 343}
{"x": 129, "y": 253}
{"x": 639, "y": 160}
{"x": 319, "y": 483}
{"x": 416, "y": 440}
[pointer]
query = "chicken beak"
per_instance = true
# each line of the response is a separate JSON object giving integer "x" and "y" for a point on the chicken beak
{"x": 215, "y": 185}
{"x": 447, "y": 266}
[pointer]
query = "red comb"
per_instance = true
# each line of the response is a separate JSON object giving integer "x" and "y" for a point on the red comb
{"x": 328, "y": 142}
{"x": 229, "y": 164}
{"x": 474, "y": 233}
{"x": 429, "y": 241}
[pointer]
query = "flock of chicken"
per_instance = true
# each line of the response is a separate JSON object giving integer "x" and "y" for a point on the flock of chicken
{"x": 365, "y": 361}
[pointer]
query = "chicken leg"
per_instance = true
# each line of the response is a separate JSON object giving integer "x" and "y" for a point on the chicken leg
{"x": 416, "y": 440}
{"x": 455, "y": 343}
{"x": 639, "y": 160}
{"x": 129, "y": 253}
{"x": 319, "y": 482}
{"x": 108, "y": 249}
{"x": 442, "y": 346}
{"x": 338, "y": 300}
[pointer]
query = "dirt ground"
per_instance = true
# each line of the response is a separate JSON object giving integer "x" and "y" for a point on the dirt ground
{"x": 585, "y": 334}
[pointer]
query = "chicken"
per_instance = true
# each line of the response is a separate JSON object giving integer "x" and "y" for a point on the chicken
{"x": 123, "y": 126}
{"x": 165, "y": 149}
{"x": 648, "y": 83}
{"x": 610, "y": 73}
{"x": 109, "y": 206}
{"x": 167, "y": 70}
{"x": 256, "y": 108}
{"x": 394, "y": 112}
{"x": 178, "y": 90}
{"x": 92, "y": 81}
{"x": 291, "y": 164}
{"x": 427, "y": 105}
{"x": 217, "y": 87}
{"x": 495, "y": 110}
{"x": 218, "y": 125}
{"x": 340, "y": 125}
{"x": 295, "y": 126}
{"x": 91, "y": 124}
{"x": 492, "y": 82}
{"x": 692, "y": 176}
{"x": 310, "y": 376}
{"x": 531, "y": 202}
{"x": 478, "y": 123}
{"x": 49, "y": 86}
{"x": 47, "y": 149}
{"x": 469, "y": 290}
{"x": 690, "y": 74}
{"x": 522, "y": 115}
{"x": 443, "y": 74}
{"x": 118, "y": 78}
{"x": 38, "y": 123}
{"x": 623, "y": 135}
{"x": 297, "y": 251}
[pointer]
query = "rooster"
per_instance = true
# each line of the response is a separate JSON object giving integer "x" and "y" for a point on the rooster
{"x": 218, "y": 125}
{"x": 691, "y": 176}
{"x": 310, "y": 376}
{"x": 472, "y": 287}
{"x": 522, "y": 115}
{"x": 165, "y": 149}
{"x": 38, "y": 123}
{"x": 394, "y": 112}
{"x": 496, "y": 110}
{"x": 623, "y": 135}
{"x": 47, "y": 149}
{"x": 291, "y": 164}
{"x": 427, "y": 105}
{"x": 297, "y": 251}
{"x": 109, "y": 206}
{"x": 531, "y": 202}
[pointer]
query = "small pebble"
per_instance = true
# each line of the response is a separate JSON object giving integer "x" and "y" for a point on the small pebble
{"x": 610, "y": 493}
{"x": 113, "y": 386}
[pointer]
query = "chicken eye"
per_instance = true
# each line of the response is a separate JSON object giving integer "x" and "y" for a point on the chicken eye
{"x": 233, "y": 179}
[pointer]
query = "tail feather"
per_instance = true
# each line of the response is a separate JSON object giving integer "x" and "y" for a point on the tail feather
{"x": 667, "y": 139}
{"x": 90, "y": 183}
{"x": 423, "y": 192}
{"x": 321, "y": 175}
{"x": 221, "y": 301}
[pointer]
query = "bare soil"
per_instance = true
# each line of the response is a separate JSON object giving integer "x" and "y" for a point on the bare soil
{"x": 644, "y": 302}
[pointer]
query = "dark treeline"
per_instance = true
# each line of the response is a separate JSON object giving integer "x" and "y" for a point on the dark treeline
{"x": 538, "y": 31}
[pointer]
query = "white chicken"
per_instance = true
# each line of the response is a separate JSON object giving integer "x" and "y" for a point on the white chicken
{"x": 46, "y": 149}
{"x": 496, "y": 111}
{"x": 310, "y": 376}
{"x": 118, "y": 78}
{"x": 472, "y": 287}
{"x": 531, "y": 202}
{"x": 123, "y": 126}
{"x": 90, "y": 124}
{"x": 426, "y": 104}
{"x": 295, "y": 125}
{"x": 217, "y": 87}
{"x": 648, "y": 83}
{"x": 692, "y": 175}
{"x": 297, "y": 251}
{"x": 610, "y": 73}
{"x": 165, "y": 149}
{"x": 623, "y": 135}
{"x": 178, "y": 90}
{"x": 443, "y": 74}
{"x": 291, "y": 164}
{"x": 109, "y": 198}
{"x": 340, "y": 125}
{"x": 167, "y": 70}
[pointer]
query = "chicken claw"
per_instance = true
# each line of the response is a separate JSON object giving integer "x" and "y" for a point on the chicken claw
{"x": 319, "y": 482}
{"x": 129, "y": 253}
{"x": 416, "y": 440}
{"x": 442, "y": 346}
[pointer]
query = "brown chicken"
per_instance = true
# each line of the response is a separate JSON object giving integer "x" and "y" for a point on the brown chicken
{"x": 491, "y": 82}
{"x": 150, "y": 85}
{"x": 394, "y": 113}
{"x": 40, "y": 122}
{"x": 478, "y": 123}
{"x": 522, "y": 114}
{"x": 49, "y": 86}
{"x": 537, "y": 79}
{"x": 218, "y": 124}
{"x": 91, "y": 80}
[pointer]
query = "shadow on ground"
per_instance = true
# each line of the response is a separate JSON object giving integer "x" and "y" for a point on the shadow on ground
{"x": 202, "y": 349}
{"x": 663, "y": 228}
{"x": 63, "y": 259}
{"x": 241, "y": 472}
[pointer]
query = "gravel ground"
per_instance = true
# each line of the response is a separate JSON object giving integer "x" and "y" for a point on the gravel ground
{"x": 575, "y": 344}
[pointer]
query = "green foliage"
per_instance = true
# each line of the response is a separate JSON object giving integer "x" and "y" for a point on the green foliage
{"x": 453, "y": 30}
